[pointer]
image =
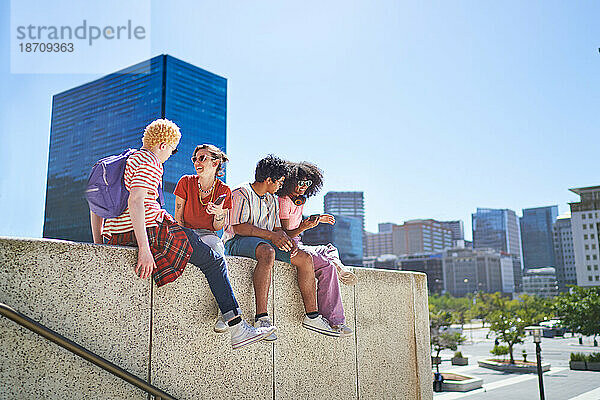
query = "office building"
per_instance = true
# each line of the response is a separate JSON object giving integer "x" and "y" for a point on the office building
{"x": 540, "y": 282}
{"x": 477, "y": 270}
{"x": 421, "y": 236}
{"x": 429, "y": 264}
{"x": 350, "y": 204}
{"x": 386, "y": 261}
{"x": 498, "y": 229}
{"x": 379, "y": 243}
{"x": 564, "y": 254}
{"x": 413, "y": 237}
{"x": 457, "y": 228}
{"x": 345, "y": 234}
{"x": 585, "y": 224}
{"x": 109, "y": 114}
{"x": 536, "y": 236}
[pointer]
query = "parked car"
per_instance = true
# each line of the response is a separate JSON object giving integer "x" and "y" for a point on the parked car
{"x": 552, "y": 328}
{"x": 454, "y": 328}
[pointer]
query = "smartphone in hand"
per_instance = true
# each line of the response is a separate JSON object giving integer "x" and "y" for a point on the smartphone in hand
{"x": 314, "y": 217}
{"x": 219, "y": 199}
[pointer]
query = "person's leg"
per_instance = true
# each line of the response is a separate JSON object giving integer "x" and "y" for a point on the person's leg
{"x": 306, "y": 280}
{"x": 329, "y": 298}
{"x": 264, "y": 253}
{"x": 265, "y": 257}
{"x": 215, "y": 270}
{"x": 215, "y": 243}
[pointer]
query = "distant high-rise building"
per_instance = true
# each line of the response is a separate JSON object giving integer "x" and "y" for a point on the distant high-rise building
{"x": 349, "y": 204}
{"x": 430, "y": 264}
{"x": 585, "y": 224}
{"x": 378, "y": 244}
{"x": 108, "y": 115}
{"x": 385, "y": 227}
{"x": 482, "y": 270}
{"x": 540, "y": 282}
{"x": 536, "y": 236}
{"x": 566, "y": 273}
{"x": 457, "y": 228}
{"x": 346, "y": 234}
{"x": 413, "y": 237}
{"x": 421, "y": 236}
{"x": 498, "y": 229}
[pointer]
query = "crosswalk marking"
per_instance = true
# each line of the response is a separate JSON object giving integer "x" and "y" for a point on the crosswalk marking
{"x": 591, "y": 395}
{"x": 495, "y": 385}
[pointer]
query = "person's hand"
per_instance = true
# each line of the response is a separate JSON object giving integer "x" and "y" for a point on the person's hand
{"x": 145, "y": 263}
{"x": 327, "y": 219}
{"x": 309, "y": 223}
{"x": 294, "y": 250}
{"x": 282, "y": 241}
{"x": 211, "y": 208}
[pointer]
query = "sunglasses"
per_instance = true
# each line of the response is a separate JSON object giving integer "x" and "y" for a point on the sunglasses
{"x": 306, "y": 183}
{"x": 201, "y": 158}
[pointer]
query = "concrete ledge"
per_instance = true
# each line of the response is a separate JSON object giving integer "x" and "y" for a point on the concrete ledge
{"x": 523, "y": 369}
{"x": 90, "y": 294}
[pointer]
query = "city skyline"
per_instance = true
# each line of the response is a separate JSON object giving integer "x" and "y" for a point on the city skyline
{"x": 431, "y": 111}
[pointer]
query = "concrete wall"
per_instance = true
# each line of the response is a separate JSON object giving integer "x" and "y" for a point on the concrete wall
{"x": 90, "y": 294}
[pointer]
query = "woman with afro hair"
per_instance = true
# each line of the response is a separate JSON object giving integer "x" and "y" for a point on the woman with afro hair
{"x": 304, "y": 181}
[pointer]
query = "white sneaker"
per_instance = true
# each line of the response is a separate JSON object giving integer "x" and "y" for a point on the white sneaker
{"x": 320, "y": 325}
{"x": 243, "y": 334}
{"x": 343, "y": 330}
{"x": 220, "y": 325}
{"x": 265, "y": 322}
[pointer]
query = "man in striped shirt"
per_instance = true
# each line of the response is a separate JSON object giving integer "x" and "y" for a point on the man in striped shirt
{"x": 255, "y": 232}
{"x": 165, "y": 247}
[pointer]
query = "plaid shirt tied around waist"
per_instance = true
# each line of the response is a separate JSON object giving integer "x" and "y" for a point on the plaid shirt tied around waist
{"x": 169, "y": 246}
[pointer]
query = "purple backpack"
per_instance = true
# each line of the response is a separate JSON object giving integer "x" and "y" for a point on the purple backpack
{"x": 106, "y": 193}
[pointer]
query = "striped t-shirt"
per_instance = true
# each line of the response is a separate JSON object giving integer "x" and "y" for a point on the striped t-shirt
{"x": 249, "y": 207}
{"x": 143, "y": 170}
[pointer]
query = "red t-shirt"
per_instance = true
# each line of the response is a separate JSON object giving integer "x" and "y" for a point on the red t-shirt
{"x": 194, "y": 213}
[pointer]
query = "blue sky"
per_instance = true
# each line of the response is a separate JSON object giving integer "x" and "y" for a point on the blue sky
{"x": 432, "y": 109}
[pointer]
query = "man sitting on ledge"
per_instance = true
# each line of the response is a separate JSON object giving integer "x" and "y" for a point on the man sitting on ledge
{"x": 164, "y": 246}
{"x": 255, "y": 232}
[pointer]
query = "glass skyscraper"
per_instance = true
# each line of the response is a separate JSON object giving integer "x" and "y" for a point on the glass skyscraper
{"x": 536, "y": 236}
{"x": 346, "y": 234}
{"x": 108, "y": 115}
{"x": 498, "y": 229}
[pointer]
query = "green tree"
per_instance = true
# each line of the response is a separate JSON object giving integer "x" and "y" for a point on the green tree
{"x": 440, "y": 340}
{"x": 510, "y": 318}
{"x": 446, "y": 340}
{"x": 579, "y": 310}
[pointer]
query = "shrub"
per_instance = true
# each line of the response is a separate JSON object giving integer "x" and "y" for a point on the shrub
{"x": 579, "y": 357}
{"x": 499, "y": 350}
{"x": 458, "y": 354}
{"x": 594, "y": 357}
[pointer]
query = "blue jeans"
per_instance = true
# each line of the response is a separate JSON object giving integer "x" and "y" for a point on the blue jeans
{"x": 213, "y": 266}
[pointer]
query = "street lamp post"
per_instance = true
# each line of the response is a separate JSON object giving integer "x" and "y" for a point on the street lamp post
{"x": 536, "y": 332}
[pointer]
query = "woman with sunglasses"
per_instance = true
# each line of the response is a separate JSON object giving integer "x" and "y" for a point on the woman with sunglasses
{"x": 304, "y": 181}
{"x": 202, "y": 201}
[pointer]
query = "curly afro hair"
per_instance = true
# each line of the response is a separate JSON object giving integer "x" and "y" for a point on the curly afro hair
{"x": 161, "y": 131}
{"x": 299, "y": 172}
{"x": 270, "y": 167}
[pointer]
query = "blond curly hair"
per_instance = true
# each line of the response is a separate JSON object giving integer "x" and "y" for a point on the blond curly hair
{"x": 161, "y": 131}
